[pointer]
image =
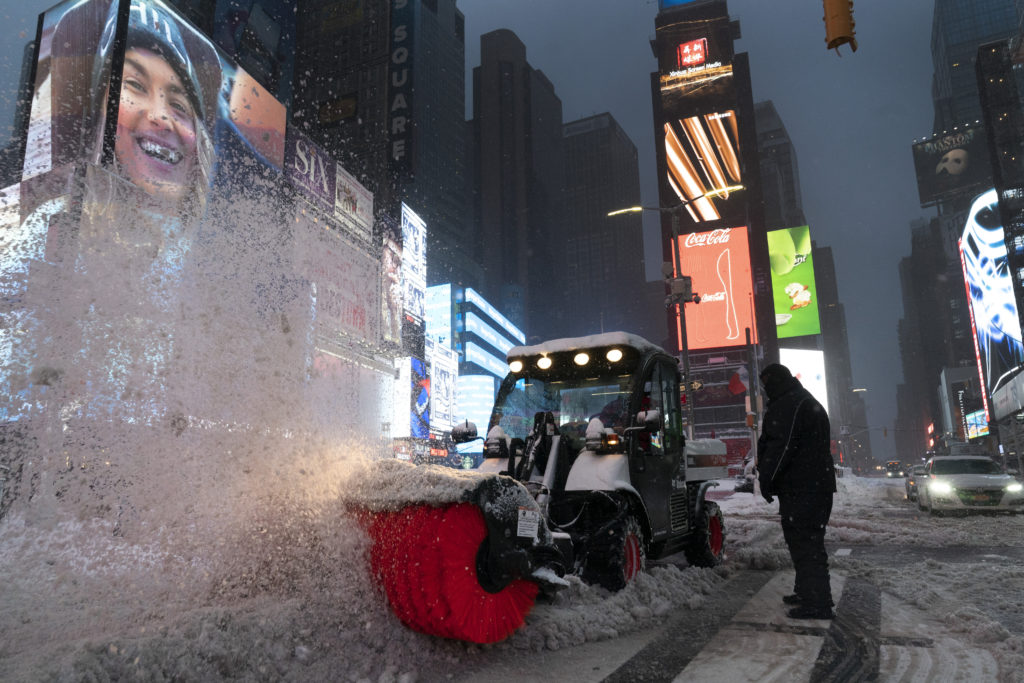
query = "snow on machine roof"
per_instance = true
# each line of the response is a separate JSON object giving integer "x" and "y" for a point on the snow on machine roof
{"x": 589, "y": 342}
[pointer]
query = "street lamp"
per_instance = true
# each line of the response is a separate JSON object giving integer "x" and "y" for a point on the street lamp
{"x": 680, "y": 294}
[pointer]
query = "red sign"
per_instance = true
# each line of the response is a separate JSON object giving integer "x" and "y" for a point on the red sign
{"x": 692, "y": 53}
{"x": 718, "y": 263}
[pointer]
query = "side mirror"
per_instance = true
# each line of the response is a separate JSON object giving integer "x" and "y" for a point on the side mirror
{"x": 650, "y": 419}
{"x": 464, "y": 432}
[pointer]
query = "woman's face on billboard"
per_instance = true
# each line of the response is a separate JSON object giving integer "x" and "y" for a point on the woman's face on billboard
{"x": 156, "y": 136}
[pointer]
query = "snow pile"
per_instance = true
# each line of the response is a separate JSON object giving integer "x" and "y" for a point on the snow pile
{"x": 392, "y": 484}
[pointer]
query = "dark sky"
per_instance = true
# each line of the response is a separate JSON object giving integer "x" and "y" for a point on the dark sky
{"x": 852, "y": 120}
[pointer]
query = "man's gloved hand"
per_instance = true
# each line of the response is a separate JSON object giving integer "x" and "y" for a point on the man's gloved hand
{"x": 768, "y": 498}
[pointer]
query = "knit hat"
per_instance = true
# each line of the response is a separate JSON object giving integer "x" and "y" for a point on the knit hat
{"x": 775, "y": 379}
{"x": 193, "y": 59}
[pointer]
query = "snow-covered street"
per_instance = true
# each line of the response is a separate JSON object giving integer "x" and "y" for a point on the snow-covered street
{"x": 289, "y": 598}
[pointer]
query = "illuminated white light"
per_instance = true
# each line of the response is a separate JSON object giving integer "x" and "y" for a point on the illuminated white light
{"x": 1015, "y": 487}
{"x": 940, "y": 487}
{"x": 581, "y": 359}
{"x": 515, "y": 366}
{"x": 614, "y": 355}
{"x": 543, "y": 362}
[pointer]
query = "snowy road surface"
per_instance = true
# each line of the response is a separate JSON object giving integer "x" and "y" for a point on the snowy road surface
{"x": 288, "y": 598}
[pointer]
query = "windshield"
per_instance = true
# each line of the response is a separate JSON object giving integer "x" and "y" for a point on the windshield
{"x": 966, "y": 466}
{"x": 573, "y": 403}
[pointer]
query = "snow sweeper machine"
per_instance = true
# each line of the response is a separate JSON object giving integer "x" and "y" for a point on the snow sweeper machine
{"x": 586, "y": 471}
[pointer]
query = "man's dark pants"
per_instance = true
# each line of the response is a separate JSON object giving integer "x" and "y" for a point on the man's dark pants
{"x": 804, "y": 518}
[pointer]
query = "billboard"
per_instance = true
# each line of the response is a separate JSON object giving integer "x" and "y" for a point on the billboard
{"x": 414, "y": 264}
{"x": 793, "y": 288}
{"x": 344, "y": 280}
{"x": 993, "y": 307}
{"x": 180, "y": 207}
{"x": 948, "y": 165}
{"x": 325, "y": 184}
{"x": 977, "y": 424}
{"x": 444, "y": 374}
{"x": 808, "y": 366}
{"x": 699, "y": 129}
{"x": 419, "y": 403}
{"x": 718, "y": 263}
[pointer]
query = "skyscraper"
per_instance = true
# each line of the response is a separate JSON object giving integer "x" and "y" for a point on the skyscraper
{"x": 603, "y": 255}
{"x": 958, "y": 28}
{"x": 780, "y": 177}
{"x": 517, "y": 130}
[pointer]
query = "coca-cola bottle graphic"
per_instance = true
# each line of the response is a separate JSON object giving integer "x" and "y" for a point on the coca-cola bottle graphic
{"x": 732, "y": 324}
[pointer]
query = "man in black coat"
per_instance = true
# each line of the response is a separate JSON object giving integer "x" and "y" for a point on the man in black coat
{"x": 794, "y": 462}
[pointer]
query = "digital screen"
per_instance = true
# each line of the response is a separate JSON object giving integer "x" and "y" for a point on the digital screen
{"x": 419, "y": 417}
{"x": 444, "y": 374}
{"x": 325, "y": 184}
{"x": 699, "y": 164}
{"x": 414, "y": 263}
{"x": 947, "y": 165}
{"x": 184, "y": 205}
{"x": 808, "y": 366}
{"x": 344, "y": 279}
{"x": 977, "y": 424}
{"x": 990, "y": 295}
{"x": 793, "y": 288}
{"x": 718, "y": 263}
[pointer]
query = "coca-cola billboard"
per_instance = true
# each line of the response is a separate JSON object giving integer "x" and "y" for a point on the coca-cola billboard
{"x": 718, "y": 263}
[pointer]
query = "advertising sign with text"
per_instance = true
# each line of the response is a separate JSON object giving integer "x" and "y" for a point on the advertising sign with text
{"x": 718, "y": 262}
{"x": 793, "y": 287}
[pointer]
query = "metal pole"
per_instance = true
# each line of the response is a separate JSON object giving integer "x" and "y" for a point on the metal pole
{"x": 684, "y": 347}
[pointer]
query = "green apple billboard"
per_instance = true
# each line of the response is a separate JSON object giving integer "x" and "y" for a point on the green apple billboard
{"x": 793, "y": 288}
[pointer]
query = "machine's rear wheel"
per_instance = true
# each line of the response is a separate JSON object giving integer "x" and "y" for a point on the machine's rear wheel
{"x": 425, "y": 559}
{"x": 614, "y": 558}
{"x": 708, "y": 545}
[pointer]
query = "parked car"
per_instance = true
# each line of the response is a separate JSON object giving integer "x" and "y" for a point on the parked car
{"x": 914, "y": 475}
{"x": 968, "y": 483}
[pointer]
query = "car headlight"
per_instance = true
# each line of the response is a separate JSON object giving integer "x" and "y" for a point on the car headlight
{"x": 1015, "y": 487}
{"x": 940, "y": 487}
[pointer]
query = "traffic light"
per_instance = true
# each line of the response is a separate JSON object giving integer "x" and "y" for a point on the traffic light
{"x": 839, "y": 24}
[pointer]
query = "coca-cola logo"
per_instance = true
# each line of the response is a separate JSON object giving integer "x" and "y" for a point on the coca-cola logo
{"x": 706, "y": 239}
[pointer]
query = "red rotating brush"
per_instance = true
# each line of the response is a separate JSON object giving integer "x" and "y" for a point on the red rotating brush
{"x": 425, "y": 559}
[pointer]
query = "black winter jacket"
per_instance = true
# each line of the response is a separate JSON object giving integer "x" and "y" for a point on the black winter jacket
{"x": 793, "y": 454}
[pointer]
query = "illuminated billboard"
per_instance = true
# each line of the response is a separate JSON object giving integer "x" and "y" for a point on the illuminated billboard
{"x": 156, "y": 105}
{"x": 419, "y": 405}
{"x": 444, "y": 375}
{"x": 993, "y": 307}
{"x": 325, "y": 184}
{"x": 345, "y": 282}
{"x": 977, "y": 424}
{"x": 808, "y": 366}
{"x": 718, "y": 262}
{"x": 699, "y": 129}
{"x": 793, "y": 287}
{"x": 414, "y": 264}
{"x": 947, "y": 165}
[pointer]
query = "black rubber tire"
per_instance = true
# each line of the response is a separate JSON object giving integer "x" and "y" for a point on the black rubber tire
{"x": 707, "y": 548}
{"x": 615, "y": 558}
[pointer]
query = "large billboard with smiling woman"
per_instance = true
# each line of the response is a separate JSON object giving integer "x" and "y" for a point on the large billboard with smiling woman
{"x": 793, "y": 288}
